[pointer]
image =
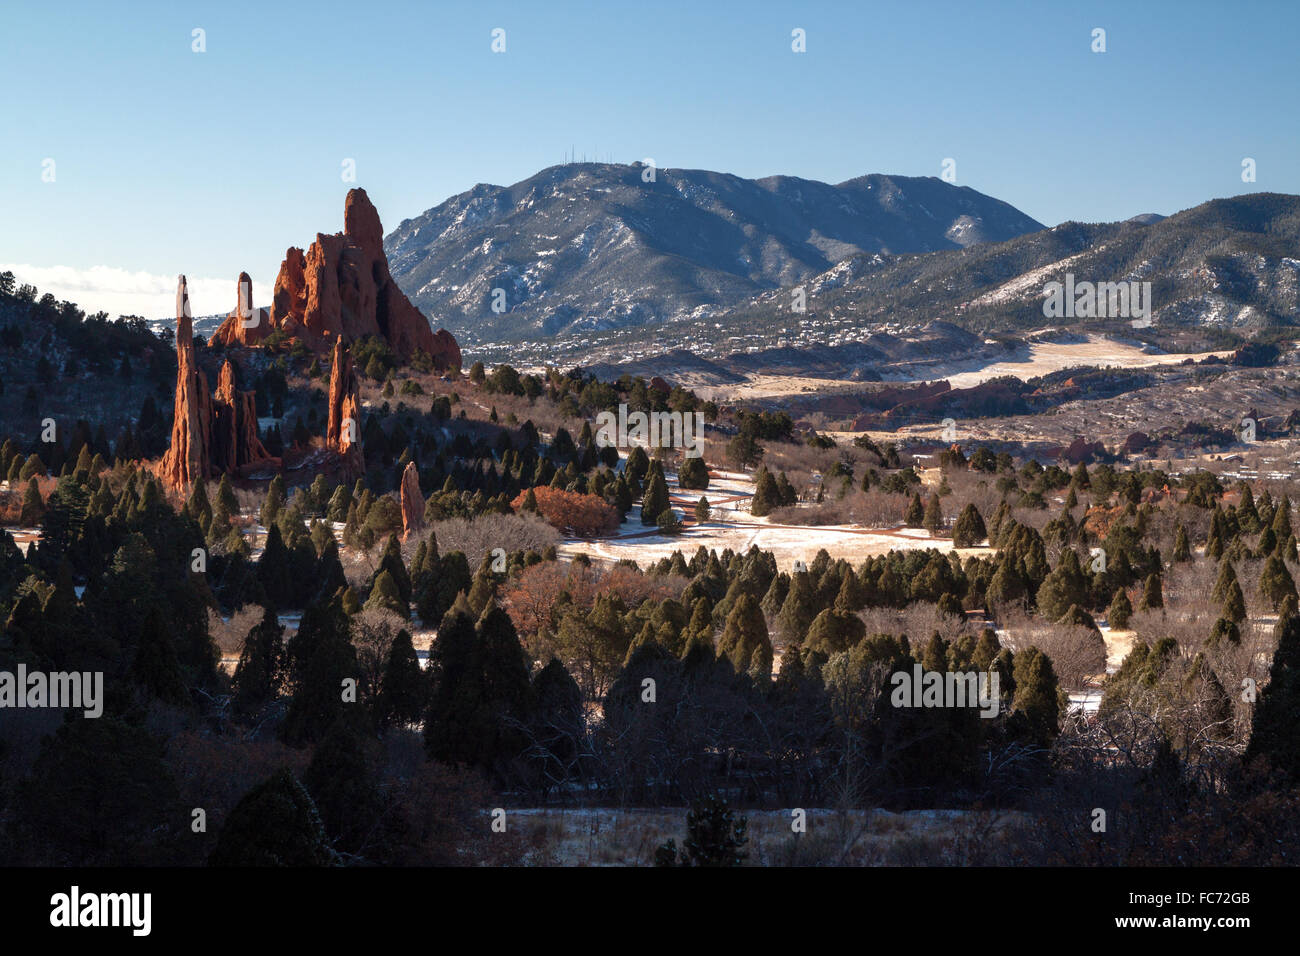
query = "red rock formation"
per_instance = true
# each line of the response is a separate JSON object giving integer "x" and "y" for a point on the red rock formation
{"x": 412, "y": 501}
{"x": 342, "y": 289}
{"x": 235, "y": 443}
{"x": 343, "y": 427}
{"x": 244, "y": 325}
{"x": 186, "y": 460}
{"x": 1136, "y": 443}
{"x": 209, "y": 435}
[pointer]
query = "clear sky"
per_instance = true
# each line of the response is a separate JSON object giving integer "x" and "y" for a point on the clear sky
{"x": 167, "y": 160}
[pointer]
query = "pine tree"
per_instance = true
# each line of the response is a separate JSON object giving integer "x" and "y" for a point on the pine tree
{"x": 274, "y": 824}
{"x": 261, "y": 666}
{"x": 1182, "y": 547}
{"x": 714, "y": 838}
{"x": 655, "y": 501}
{"x": 1152, "y": 595}
{"x": 384, "y": 596}
{"x": 766, "y": 494}
{"x": 798, "y": 611}
{"x": 33, "y": 506}
{"x": 1273, "y": 739}
{"x": 1036, "y": 694}
{"x": 915, "y": 512}
{"x": 702, "y": 510}
{"x": 1275, "y": 581}
{"x": 274, "y": 502}
{"x": 1234, "y": 605}
{"x": 693, "y": 474}
{"x": 156, "y": 668}
{"x": 1223, "y": 583}
{"x": 744, "y": 640}
{"x": 969, "y": 530}
{"x": 933, "y": 518}
{"x": 1120, "y": 610}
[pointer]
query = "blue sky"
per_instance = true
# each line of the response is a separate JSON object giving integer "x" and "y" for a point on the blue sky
{"x": 169, "y": 161}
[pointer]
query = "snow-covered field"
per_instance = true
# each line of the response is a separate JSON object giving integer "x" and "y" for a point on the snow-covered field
{"x": 732, "y": 526}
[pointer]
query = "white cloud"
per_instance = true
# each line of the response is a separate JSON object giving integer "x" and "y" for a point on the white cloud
{"x": 119, "y": 292}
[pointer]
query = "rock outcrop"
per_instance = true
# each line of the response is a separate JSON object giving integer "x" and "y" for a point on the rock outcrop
{"x": 186, "y": 459}
{"x": 341, "y": 289}
{"x": 412, "y": 501}
{"x": 245, "y": 325}
{"x": 210, "y": 435}
{"x": 343, "y": 426}
{"x": 235, "y": 443}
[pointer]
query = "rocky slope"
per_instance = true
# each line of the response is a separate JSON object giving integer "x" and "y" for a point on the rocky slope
{"x": 590, "y": 246}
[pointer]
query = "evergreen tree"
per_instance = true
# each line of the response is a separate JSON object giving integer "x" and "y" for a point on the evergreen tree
{"x": 714, "y": 838}
{"x": 1275, "y": 581}
{"x": 274, "y": 502}
{"x": 693, "y": 474}
{"x": 766, "y": 494}
{"x": 1273, "y": 738}
{"x": 702, "y": 510}
{"x": 403, "y": 693}
{"x": 932, "y": 521}
{"x": 1120, "y": 610}
{"x": 915, "y": 512}
{"x": 1152, "y": 595}
{"x": 1036, "y": 695}
{"x": 744, "y": 639}
{"x": 274, "y": 824}
{"x": 969, "y": 530}
{"x": 655, "y": 501}
{"x": 261, "y": 664}
{"x": 384, "y": 596}
{"x": 156, "y": 668}
{"x": 33, "y": 506}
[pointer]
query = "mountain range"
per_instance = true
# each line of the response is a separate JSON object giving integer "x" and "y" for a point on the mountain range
{"x": 589, "y": 246}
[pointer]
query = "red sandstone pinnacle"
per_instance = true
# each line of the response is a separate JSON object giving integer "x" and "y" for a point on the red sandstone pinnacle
{"x": 245, "y": 324}
{"x": 341, "y": 288}
{"x": 186, "y": 460}
{"x": 210, "y": 434}
{"x": 343, "y": 427}
{"x": 235, "y": 442}
{"x": 412, "y": 501}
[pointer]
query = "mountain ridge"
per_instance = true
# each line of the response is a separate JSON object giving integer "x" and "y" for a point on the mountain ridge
{"x": 594, "y": 245}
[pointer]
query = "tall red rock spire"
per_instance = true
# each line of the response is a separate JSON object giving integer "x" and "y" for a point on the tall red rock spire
{"x": 209, "y": 436}
{"x": 187, "y": 459}
{"x": 343, "y": 426}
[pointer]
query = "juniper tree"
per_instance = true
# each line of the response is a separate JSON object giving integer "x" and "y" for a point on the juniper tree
{"x": 261, "y": 666}
{"x": 274, "y": 824}
{"x": 1273, "y": 738}
{"x": 968, "y": 531}
{"x": 766, "y": 494}
{"x": 744, "y": 640}
{"x": 1275, "y": 581}
{"x": 655, "y": 500}
{"x": 932, "y": 520}
{"x": 915, "y": 512}
{"x": 1120, "y": 610}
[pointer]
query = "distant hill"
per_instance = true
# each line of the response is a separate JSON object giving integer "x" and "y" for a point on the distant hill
{"x": 595, "y": 246}
{"x": 1231, "y": 264}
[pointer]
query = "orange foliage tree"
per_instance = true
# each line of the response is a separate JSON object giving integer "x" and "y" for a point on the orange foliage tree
{"x": 572, "y": 513}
